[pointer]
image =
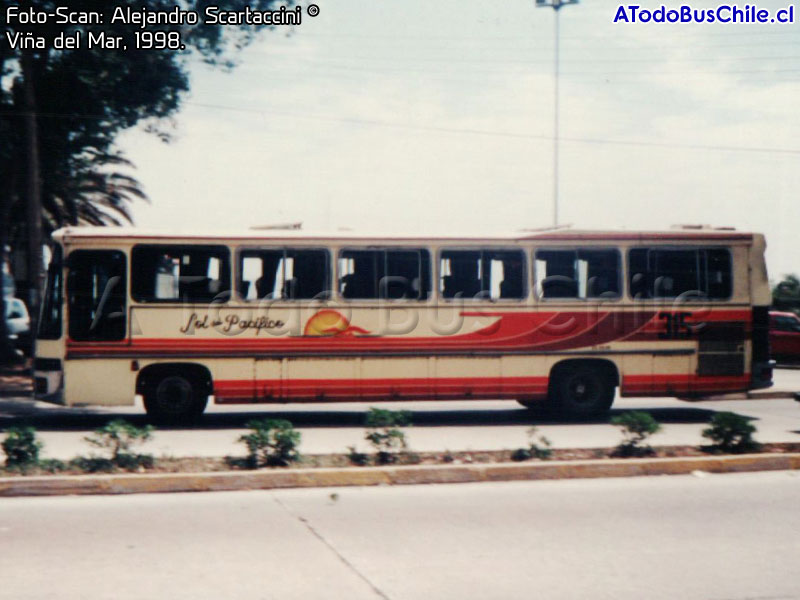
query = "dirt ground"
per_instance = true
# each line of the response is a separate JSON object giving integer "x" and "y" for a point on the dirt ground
{"x": 205, "y": 465}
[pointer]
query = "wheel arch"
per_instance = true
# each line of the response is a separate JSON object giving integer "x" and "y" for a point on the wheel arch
{"x": 604, "y": 365}
{"x": 150, "y": 375}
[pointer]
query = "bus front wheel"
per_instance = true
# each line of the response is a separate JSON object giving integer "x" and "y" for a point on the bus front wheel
{"x": 581, "y": 391}
{"x": 175, "y": 399}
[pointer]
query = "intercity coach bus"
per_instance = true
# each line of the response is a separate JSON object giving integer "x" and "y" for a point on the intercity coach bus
{"x": 556, "y": 318}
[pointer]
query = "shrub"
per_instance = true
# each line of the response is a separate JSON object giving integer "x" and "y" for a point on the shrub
{"x": 53, "y": 465}
{"x": 731, "y": 433}
{"x": 384, "y": 435}
{"x": 92, "y": 464}
{"x": 21, "y": 447}
{"x": 521, "y": 454}
{"x": 356, "y": 457}
{"x": 636, "y": 428}
{"x": 537, "y": 448}
{"x": 118, "y": 437}
{"x": 272, "y": 442}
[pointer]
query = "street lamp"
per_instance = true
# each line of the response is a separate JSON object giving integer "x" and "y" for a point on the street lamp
{"x": 556, "y": 5}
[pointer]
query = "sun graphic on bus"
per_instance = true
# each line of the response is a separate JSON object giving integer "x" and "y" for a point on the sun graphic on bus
{"x": 330, "y": 323}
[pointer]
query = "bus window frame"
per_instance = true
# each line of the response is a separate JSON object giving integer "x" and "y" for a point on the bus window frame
{"x": 419, "y": 249}
{"x": 179, "y": 300}
{"x": 237, "y": 268}
{"x": 621, "y": 275}
{"x": 67, "y": 267}
{"x": 663, "y": 299}
{"x": 526, "y": 287}
{"x": 56, "y": 273}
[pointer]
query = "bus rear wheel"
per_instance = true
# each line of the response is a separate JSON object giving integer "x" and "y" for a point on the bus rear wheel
{"x": 175, "y": 399}
{"x": 581, "y": 391}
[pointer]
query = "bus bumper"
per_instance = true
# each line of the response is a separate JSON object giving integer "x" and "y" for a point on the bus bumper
{"x": 762, "y": 375}
{"x": 48, "y": 380}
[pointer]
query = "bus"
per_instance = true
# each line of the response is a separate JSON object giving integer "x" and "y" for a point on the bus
{"x": 560, "y": 319}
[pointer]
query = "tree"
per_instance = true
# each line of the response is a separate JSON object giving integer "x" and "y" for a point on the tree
{"x": 786, "y": 294}
{"x": 62, "y": 109}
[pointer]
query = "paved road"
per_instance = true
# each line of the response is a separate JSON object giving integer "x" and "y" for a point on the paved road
{"x": 718, "y": 537}
{"x": 437, "y": 425}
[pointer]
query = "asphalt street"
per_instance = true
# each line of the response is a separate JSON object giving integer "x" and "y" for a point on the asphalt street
{"x": 709, "y": 537}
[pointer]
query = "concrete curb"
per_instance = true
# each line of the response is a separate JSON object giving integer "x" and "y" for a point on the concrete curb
{"x": 771, "y": 395}
{"x": 368, "y": 476}
{"x": 756, "y": 395}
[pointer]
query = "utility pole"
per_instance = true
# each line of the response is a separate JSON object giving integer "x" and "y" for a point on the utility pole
{"x": 556, "y": 5}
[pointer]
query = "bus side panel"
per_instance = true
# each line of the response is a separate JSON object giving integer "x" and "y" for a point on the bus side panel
{"x": 637, "y": 375}
{"x": 672, "y": 374}
{"x": 524, "y": 377}
{"x": 233, "y": 379}
{"x": 396, "y": 378}
{"x": 268, "y": 383}
{"x": 321, "y": 379}
{"x": 462, "y": 378}
{"x": 100, "y": 382}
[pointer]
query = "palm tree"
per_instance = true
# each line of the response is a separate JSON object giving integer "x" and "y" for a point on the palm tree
{"x": 90, "y": 189}
{"x": 94, "y": 195}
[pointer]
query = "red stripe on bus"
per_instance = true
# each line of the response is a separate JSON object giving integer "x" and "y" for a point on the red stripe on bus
{"x": 422, "y": 388}
{"x": 683, "y": 384}
{"x": 434, "y": 388}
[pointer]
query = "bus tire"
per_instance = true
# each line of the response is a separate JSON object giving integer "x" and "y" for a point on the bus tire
{"x": 581, "y": 391}
{"x": 175, "y": 399}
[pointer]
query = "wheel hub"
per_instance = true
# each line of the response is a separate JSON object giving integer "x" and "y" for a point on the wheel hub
{"x": 174, "y": 395}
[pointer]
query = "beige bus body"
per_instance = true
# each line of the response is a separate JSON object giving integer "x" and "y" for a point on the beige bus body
{"x": 340, "y": 349}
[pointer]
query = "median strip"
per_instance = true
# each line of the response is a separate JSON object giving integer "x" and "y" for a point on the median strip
{"x": 390, "y": 475}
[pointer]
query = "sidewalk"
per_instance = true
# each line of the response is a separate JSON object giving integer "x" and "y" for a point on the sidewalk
{"x": 16, "y": 380}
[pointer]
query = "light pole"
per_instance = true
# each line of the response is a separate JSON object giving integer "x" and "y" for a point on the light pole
{"x": 556, "y": 5}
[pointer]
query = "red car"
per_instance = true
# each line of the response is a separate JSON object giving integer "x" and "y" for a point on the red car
{"x": 784, "y": 336}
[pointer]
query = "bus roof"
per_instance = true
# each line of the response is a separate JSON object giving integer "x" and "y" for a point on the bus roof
{"x": 68, "y": 234}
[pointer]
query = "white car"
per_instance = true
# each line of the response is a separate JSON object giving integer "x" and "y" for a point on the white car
{"x": 18, "y": 323}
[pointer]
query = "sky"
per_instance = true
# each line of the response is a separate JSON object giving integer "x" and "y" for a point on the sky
{"x": 438, "y": 116}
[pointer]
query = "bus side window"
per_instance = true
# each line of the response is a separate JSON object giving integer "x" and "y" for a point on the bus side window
{"x": 394, "y": 274}
{"x": 687, "y": 273}
{"x": 460, "y": 272}
{"x": 718, "y": 273}
{"x": 505, "y": 271}
{"x": 581, "y": 273}
{"x": 286, "y": 274}
{"x": 599, "y": 273}
{"x": 175, "y": 273}
{"x": 358, "y": 273}
{"x": 306, "y": 275}
{"x": 482, "y": 274}
{"x": 555, "y": 274}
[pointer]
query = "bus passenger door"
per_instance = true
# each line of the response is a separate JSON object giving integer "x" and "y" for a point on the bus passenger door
{"x": 96, "y": 291}
{"x": 96, "y": 323}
